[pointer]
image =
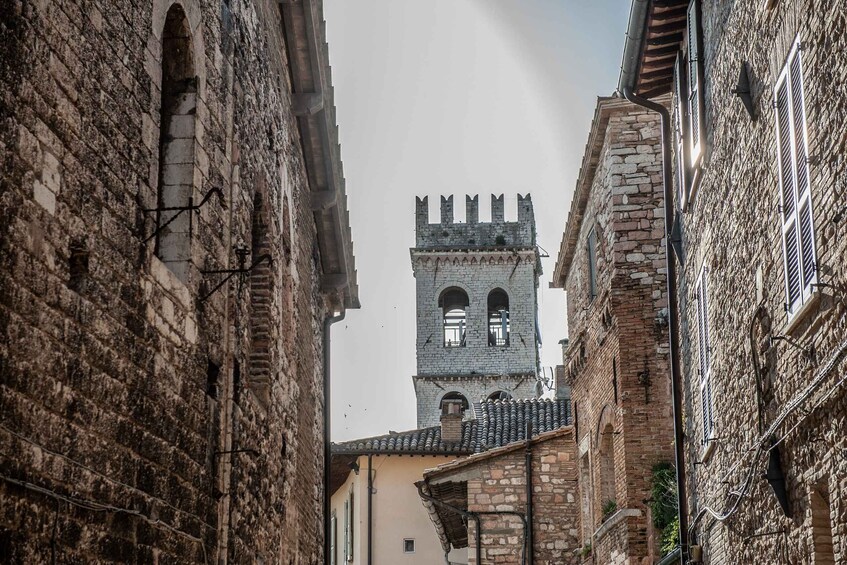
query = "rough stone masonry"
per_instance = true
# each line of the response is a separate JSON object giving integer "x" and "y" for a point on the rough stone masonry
{"x": 154, "y": 404}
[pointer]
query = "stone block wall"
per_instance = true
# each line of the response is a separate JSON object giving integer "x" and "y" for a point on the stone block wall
{"x": 131, "y": 425}
{"x": 616, "y": 360}
{"x": 499, "y": 484}
{"x": 733, "y": 228}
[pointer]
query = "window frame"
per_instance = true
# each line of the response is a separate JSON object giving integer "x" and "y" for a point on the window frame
{"x": 414, "y": 546}
{"x": 680, "y": 126}
{"x": 802, "y": 206}
{"x": 704, "y": 356}
{"x": 695, "y": 85}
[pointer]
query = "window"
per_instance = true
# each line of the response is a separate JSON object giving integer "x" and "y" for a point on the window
{"x": 454, "y": 304}
{"x": 498, "y": 318}
{"x": 821, "y": 525}
{"x": 333, "y": 540}
{"x": 705, "y": 354}
{"x": 696, "y": 106}
{"x": 679, "y": 127}
{"x": 408, "y": 545}
{"x": 455, "y": 396}
{"x": 176, "y": 145}
{"x": 592, "y": 264}
{"x": 798, "y": 237}
{"x": 499, "y": 395}
{"x": 607, "y": 465}
{"x": 348, "y": 527}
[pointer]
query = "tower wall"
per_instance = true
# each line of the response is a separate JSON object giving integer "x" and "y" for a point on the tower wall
{"x": 477, "y": 257}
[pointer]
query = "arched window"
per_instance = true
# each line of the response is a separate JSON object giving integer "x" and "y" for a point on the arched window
{"x": 607, "y": 466}
{"x": 454, "y": 305}
{"x": 499, "y": 395}
{"x": 455, "y": 396}
{"x": 176, "y": 144}
{"x": 498, "y": 318}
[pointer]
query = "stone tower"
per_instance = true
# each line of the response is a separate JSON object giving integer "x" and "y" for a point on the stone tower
{"x": 477, "y": 287}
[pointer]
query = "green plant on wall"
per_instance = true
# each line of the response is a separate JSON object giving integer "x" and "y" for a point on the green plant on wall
{"x": 663, "y": 505}
{"x": 609, "y": 508}
{"x": 585, "y": 551}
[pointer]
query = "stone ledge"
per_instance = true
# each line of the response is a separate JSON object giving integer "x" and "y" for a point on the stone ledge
{"x": 614, "y": 520}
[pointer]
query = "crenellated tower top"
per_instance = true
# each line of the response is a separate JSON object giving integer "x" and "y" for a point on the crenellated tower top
{"x": 472, "y": 233}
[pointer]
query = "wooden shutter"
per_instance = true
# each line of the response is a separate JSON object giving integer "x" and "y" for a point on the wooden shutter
{"x": 333, "y": 540}
{"x": 346, "y": 530}
{"x": 696, "y": 105}
{"x": 798, "y": 236}
{"x": 705, "y": 353}
{"x": 681, "y": 97}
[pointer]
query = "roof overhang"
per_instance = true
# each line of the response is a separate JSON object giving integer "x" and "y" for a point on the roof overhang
{"x": 654, "y": 34}
{"x": 314, "y": 108}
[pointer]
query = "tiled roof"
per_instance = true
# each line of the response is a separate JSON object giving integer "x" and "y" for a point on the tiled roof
{"x": 498, "y": 423}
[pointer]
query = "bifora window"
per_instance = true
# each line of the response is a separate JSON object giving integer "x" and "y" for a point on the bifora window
{"x": 498, "y": 318}
{"x": 454, "y": 305}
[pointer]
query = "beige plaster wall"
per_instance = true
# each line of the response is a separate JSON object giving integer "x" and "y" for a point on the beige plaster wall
{"x": 397, "y": 513}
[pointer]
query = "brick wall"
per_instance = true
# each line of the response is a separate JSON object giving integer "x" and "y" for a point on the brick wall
{"x": 498, "y": 483}
{"x": 118, "y": 385}
{"x": 733, "y": 228}
{"x": 616, "y": 361}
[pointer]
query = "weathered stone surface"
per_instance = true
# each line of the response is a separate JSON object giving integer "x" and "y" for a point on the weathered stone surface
{"x": 733, "y": 228}
{"x": 128, "y": 400}
{"x": 616, "y": 360}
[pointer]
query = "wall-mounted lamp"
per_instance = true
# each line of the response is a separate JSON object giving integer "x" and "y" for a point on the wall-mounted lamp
{"x": 354, "y": 466}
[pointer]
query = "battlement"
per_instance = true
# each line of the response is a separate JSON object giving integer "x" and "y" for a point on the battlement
{"x": 473, "y": 233}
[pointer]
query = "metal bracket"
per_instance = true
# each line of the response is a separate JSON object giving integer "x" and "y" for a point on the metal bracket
{"x": 241, "y": 270}
{"x": 180, "y": 209}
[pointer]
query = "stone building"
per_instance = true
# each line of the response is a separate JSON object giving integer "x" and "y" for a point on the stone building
{"x": 481, "y": 502}
{"x": 392, "y": 526}
{"x": 477, "y": 327}
{"x": 612, "y": 265}
{"x": 174, "y": 237}
{"x": 759, "y": 158}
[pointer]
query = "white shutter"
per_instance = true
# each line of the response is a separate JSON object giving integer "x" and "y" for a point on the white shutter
{"x": 705, "y": 353}
{"x": 798, "y": 236}
{"x": 695, "y": 83}
{"x": 681, "y": 97}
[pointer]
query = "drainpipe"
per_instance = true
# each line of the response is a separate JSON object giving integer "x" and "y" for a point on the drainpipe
{"x": 530, "y": 551}
{"x": 673, "y": 307}
{"x": 328, "y": 321}
{"x": 370, "y": 508}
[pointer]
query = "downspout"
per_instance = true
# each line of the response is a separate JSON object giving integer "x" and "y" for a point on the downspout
{"x": 530, "y": 551}
{"x": 673, "y": 317}
{"x": 328, "y": 321}
{"x": 370, "y": 508}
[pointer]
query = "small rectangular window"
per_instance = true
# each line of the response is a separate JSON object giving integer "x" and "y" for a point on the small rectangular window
{"x": 798, "y": 234}
{"x": 592, "y": 264}
{"x": 408, "y": 545}
{"x": 705, "y": 354}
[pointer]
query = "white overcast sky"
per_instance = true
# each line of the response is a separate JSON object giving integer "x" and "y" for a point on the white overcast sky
{"x": 452, "y": 97}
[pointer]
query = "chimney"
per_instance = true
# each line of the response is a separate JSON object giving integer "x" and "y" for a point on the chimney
{"x": 451, "y": 421}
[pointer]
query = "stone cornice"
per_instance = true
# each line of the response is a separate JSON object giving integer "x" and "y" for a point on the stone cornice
{"x": 314, "y": 109}
{"x": 474, "y": 256}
